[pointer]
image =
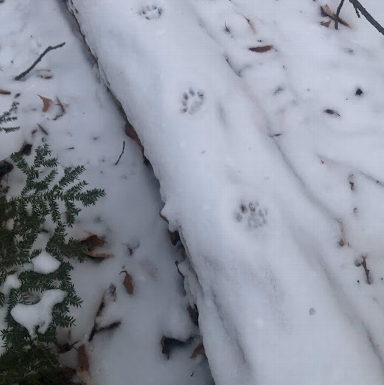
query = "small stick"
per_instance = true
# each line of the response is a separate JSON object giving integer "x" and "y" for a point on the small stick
{"x": 338, "y": 14}
{"x": 122, "y": 152}
{"x": 26, "y": 72}
{"x": 367, "y": 15}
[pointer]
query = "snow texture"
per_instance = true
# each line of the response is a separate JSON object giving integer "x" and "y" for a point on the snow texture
{"x": 44, "y": 263}
{"x": 39, "y": 314}
{"x": 91, "y": 133}
{"x": 270, "y": 167}
{"x": 11, "y": 282}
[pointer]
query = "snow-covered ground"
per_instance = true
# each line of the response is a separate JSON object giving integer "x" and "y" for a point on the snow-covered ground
{"x": 264, "y": 128}
{"x": 154, "y": 335}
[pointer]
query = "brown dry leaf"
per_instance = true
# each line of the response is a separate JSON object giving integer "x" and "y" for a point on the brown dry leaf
{"x": 199, "y": 350}
{"x": 99, "y": 255}
{"x": 82, "y": 357}
{"x": 83, "y": 375}
{"x": 326, "y": 23}
{"x": 131, "y": 133}
{"x": 5, "y": 92}
{"x": 92, "y": 242}
{"x": 326, "y": 11}
{"x": 128, "y": 282}
{"x": 46, "y": 103}
{"x": 82, "y": 369}
{"x": 264, "y": 48}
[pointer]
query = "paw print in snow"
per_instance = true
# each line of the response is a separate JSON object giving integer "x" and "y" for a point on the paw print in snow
{"x": 252, "y": 214}
{"x": 192, "y": 101}
{"x": 151, "y": 12}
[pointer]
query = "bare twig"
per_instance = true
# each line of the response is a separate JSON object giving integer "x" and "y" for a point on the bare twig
{"x": 367, "y": 15}
{"x": 359, "y": 9}
{"x": 338, "y": 14}
{"x": 26, "y": 72}
{"x": 366, "y": 270}
{"x": 122, "y": 152}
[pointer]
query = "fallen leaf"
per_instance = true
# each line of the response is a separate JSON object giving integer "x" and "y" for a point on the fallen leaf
{"x": 82, "y": 357}
{"x": 326, "y": 23}
{"x": 326, "y": 11}
{"x": 261, "y": 49}
{"x": 83, "y": 375}
{"x": 46, "y": 103}
{"x": 128, "y": 282}
{"x": 5, "y": 92}
{"x": 131, "y": 133}
{"x": 199, "y": 351}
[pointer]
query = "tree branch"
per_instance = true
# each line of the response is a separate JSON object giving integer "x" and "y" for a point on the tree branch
{"x": 367, "y": 15}
{"x": 26, "y": 72}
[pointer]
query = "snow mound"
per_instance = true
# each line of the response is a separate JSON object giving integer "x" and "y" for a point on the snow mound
{"x": 39, "y": 314}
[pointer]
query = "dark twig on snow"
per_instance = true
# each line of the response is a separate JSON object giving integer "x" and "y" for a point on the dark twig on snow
{"x": 26, "y": 72}
{"x": 359, "y": 8}
{"x": 338, "y": 14}
{"x": 366, "y": 270}
{"x": 122, "y": 152}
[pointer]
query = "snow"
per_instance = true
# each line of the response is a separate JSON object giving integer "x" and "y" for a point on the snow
{"x": 11, "y": 282}
{"x": 44, "y": 263}
{"x": 257, "y": 176}
{"x": 91, "y": 133}
{"x": 276, "y": 200}
{"x": 39, "y": 314}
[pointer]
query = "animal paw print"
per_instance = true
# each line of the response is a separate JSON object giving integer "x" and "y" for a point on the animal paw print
{"x": 151, "y": 12}
{"x": 252, "y": 214}
{"x": 192, "y": 101}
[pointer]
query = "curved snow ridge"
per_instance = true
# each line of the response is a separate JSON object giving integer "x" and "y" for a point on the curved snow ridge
{"x": 276, "y": 292}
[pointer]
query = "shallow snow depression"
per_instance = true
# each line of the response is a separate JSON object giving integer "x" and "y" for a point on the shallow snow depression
{"x": 250, "y": 118}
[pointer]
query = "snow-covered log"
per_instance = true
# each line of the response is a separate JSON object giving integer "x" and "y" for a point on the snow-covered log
{"x": 263, "y": 127}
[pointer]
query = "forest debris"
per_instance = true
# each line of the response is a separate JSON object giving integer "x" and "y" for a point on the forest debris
{"x": 261, "y": 49}
{"x": 251, "y": 25}
{"x": 82, "y": 357}
{"x": 168, "y": 344}
{"x": 46, "y": 103}
{"x": 366, "y": 270}
{"x": 93, "y": 242}
{"x": 326, "y": 11}
{"x": 44, "y": 131}
{"x": 193, "y": 314}
{"x": 109, "y": 297}
{"x": 82, "y": 369}
{"x": 26, "y": 72}
{"x": 45, "y": 74}
{"x": 5, "y": 92}
{"x": 62, "y": 109}
{"x": 326, "y": 23}
{"x": 131, "y": 133}
{"x": 128, "y": 282}
{"x": 331, "y": 112}
{"x": 199, "y": 351}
